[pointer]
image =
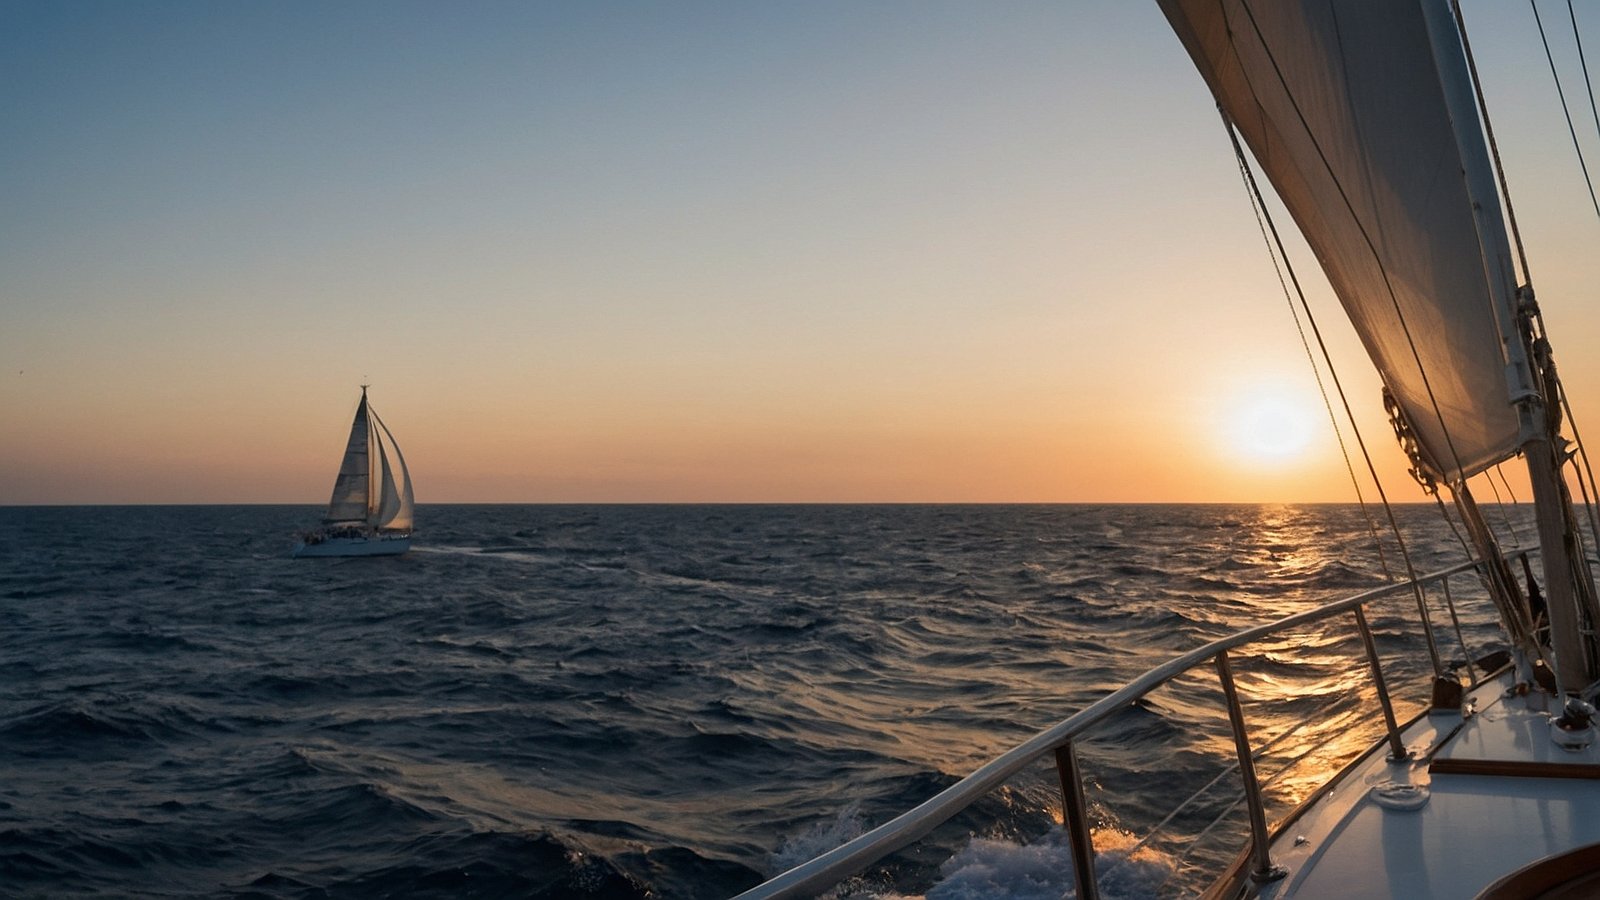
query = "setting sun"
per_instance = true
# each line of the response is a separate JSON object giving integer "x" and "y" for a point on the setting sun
{"x": 1267, "y": 424}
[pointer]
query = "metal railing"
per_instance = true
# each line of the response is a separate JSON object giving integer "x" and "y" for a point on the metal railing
{"x": 849, "y": 859}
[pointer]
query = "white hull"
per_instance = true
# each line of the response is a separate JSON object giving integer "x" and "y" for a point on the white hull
{"x": 355, "y": 546}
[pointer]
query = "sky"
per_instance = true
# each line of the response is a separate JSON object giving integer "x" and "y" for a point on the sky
{"x": 884, "y": 251}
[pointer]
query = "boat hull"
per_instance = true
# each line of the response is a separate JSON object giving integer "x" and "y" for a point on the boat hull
{"x": 377, "y": 545}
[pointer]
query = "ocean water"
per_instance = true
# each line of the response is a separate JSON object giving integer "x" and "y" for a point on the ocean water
{"x": 659, "y": 701}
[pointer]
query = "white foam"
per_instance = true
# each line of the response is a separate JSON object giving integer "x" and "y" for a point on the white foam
{"x": 819, "y": 839}
{"x": 1042, "y": 870}
{"x": 989, "y": 869}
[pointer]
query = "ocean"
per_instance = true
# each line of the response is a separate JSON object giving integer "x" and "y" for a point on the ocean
{"x": 662, "y": 701}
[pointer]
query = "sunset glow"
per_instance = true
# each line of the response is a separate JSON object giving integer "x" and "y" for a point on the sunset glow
{"x": 1271, "y": 425}
{"x": 880, "y": 252}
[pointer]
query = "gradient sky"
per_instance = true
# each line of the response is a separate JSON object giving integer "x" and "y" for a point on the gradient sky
{"x": 825, "y": 251}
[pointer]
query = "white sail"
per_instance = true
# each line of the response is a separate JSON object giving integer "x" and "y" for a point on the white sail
{"x": 353, "y": 485}
{"x": 394, "y": 508}
{"x": 1365, "y": 135}
{"x": 367, "y": 489}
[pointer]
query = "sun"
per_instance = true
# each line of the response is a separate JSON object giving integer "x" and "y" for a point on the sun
{"x": 1268, "y": 424}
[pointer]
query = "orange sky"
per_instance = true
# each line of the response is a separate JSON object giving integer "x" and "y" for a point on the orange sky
{"x": 894, "y": 252}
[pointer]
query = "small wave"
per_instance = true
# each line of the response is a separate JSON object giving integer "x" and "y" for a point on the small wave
{"x": 69, "y": 724}
{"x": 681, "y": 872}
{"x": 494, "y": 864}
{"x": 55, "y": 857}
{"x": 65, "y": 729}
{"x": 634, "y": 701}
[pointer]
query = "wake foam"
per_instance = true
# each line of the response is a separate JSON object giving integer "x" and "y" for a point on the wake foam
{"x": 1042, "y": 870}
{"x": 993, "y": 869}
{"x": 819, "y": 839}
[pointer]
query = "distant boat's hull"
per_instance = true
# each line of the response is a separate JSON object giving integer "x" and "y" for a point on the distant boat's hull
{"x": 377, "y": 545}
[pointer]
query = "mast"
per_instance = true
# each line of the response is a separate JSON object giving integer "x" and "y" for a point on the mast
{"x": 1568, "y": 584}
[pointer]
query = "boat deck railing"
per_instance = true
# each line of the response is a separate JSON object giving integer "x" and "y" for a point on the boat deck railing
{"x": 851, "y": 858}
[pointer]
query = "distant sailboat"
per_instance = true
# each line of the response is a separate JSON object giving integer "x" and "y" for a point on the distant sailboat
{"x": 370, "y": 513}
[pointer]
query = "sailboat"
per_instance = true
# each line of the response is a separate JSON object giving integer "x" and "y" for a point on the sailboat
{"x": 1367, "y": 121}
{"x": 371, "y": 511}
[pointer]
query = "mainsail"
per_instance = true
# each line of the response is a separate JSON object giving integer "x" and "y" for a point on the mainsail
{"x": 352, "y": 488}
{"x": 366, "y": 490}
{"x": 1363, "y": 116}
{"x": 1362, "y": 127}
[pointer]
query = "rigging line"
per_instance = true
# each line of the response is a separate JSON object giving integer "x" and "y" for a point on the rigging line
{"x": 1276, "y": 251}
{"x": 1583, "y": 63}
{"x": 1510, "y": 492}
{"x": 1578, "y": 533}
{"x": 1485, "y": 578}
{"x": 1494, "y": 144}
{"x": 1445, "y": 514}
{"x": 1583, "y": 457}
{"x": 1516, "y": 535}
{"x": 1265, "y": 222}
{"x": 1450, "y": 604}
{"x": 1500, "y": 505}
{"x": 1532, "y": 318}
{"x": 1571, "y": 129}
{"x": 1582, "y": 474}
{"x": 1361, "y": 228}
{"x": 1411, "y": 572}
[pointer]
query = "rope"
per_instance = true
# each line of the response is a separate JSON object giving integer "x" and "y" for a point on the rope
{"x": 1571, "y": 129}
{"x": 1466, "y": 654}
{"x": 1588, "y": 83}
{"x": 1516, "y": 533}
{"x": 1494, "y": 145}
{"x": 1265, "y": 222}
{"x": 1509, "y": 492}
{"x": 1500, "y": 505}
{"x": 1269, "y": 236}
{"x": 1577, "y": 36}
{"x": 1444, "y": 513}
{"x": 1584, "y": 483}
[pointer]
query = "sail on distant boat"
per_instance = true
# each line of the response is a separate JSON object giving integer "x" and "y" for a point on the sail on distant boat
{"x": 371, "y": 510}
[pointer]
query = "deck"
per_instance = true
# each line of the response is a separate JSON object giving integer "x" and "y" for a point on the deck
{"x": 1502, "y": 795}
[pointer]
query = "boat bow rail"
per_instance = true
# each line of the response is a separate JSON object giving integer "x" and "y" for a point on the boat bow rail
{"x": 849, "y": 859}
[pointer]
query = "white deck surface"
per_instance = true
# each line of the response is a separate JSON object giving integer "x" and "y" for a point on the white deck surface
{"x": 1474, "y": 828}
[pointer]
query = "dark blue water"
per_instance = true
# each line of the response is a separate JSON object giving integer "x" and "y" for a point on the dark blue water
{"x": 626, "y": 701}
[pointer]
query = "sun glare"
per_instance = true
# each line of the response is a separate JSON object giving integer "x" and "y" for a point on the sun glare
{"x": 1270, "y": 425}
